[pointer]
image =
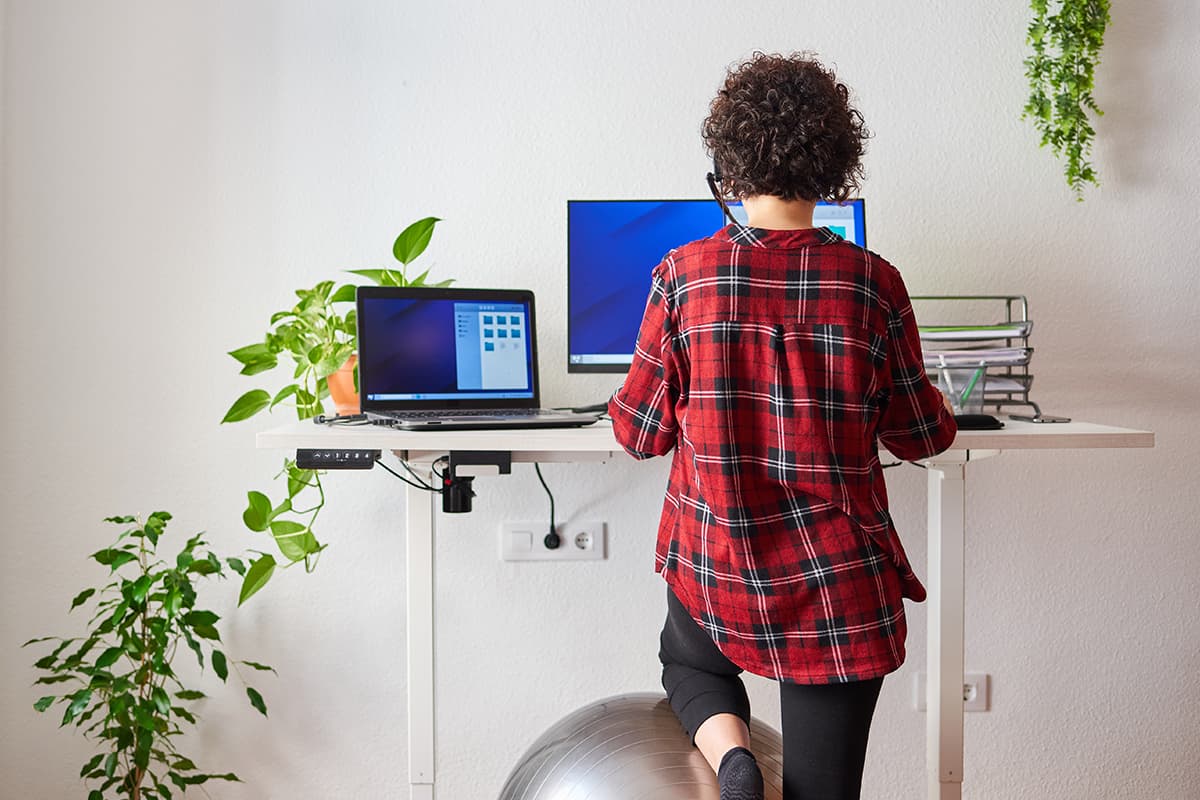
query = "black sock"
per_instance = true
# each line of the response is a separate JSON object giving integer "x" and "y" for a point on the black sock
{"x": 739, "y": 776}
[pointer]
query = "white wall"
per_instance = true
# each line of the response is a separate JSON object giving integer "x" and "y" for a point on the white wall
{"x": 173, "y": 170}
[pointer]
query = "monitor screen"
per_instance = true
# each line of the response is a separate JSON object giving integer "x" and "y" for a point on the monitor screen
{"x": 612, "y": 245}
{"x": 443, "y": 345}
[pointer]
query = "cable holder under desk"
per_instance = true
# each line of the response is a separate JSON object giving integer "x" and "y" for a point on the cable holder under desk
{"x": 1001, "y": 347}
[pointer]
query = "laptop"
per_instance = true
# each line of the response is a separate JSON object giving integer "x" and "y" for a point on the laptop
{"x": 451, "y": 359}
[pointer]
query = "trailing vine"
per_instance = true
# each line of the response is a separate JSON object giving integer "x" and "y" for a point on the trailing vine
{"x": 1066, "y": 37}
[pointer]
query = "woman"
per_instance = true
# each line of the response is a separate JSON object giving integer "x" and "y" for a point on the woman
{"x": 772, "y": 358}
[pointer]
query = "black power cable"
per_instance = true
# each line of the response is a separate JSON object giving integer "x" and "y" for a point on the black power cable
{"x": 552, "y": 541}
{"x": 418, "y": 483}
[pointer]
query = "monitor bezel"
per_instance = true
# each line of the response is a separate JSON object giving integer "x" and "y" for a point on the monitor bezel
{"x": 522, "y": 296}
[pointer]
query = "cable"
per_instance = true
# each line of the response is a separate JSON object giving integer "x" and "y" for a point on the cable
{"x": 421, "y": 485}
{"x": 552, "y": 540}
{"x": 341, "y": 419}
{"x": 418, "y": 478}
{"x": 441, "y": 476}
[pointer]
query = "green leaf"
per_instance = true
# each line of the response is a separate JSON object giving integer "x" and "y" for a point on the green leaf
{"x": 161, "y": 701}
{"x": 252, "y": 353}
{"x": 259, "y": 667}
{"x": 284, "y": 394}
{"x": 190, "y": 694}
{"x": 247, "y": 405}
{"x": 141, "y": 588}
{"x": 257, "y": 576}
{"x": 109, "y": 657}
{"x": 307, "y": 405}
{"x": 203, "y": 567}
{"x": 141, "y": 748}
{"x": 237, "y": 565}
{"x": 39, "y": 639}
{"x": 294, "y": 539}
{"x": 121, "y": 520}
{"x": 256, "y": 358}
{"x": 49, "y": 679}
{"x": 345, "y": 294}
{"x": 81, "y": 598}
{"x": 92, "y": 763}
{"x": 413, "y": 240}
{"x": 228, "y": 776}
{"x": 95, "y": 794}
{"x": 112, "y": 558}
{"x": 258, "y": 513}
{"x": 110, "y": 764}
{"x": 194, "y": 645}
{"x": 374, "y": 275}
{"x": 199, "y": 617}
{"x": 260, "y": 366}
{"x": 79, "y": 701}
{"x": 45, "y": 702}
{"x": 298, "y": 479}
{"x": 220, "y": 665}
{"x": 207, "y": 632}
{"x": 173, "y": 602}
{"x": 256, "y": 700}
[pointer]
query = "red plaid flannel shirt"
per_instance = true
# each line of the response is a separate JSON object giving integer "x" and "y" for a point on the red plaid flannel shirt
{"x": 772, "y": 362}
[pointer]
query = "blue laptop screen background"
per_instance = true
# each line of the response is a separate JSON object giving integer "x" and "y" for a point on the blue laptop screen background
{"x": 440, "y": 349}
{"x": 612, "y": 245}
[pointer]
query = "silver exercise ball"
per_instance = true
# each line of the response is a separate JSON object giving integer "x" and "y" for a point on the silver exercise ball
{"x": 629, "y": 747}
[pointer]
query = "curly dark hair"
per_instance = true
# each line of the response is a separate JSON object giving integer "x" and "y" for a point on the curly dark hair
{"x": 784, "y": 126}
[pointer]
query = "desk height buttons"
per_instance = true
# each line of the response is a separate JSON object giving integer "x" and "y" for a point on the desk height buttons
{"x": 336, "y": 459}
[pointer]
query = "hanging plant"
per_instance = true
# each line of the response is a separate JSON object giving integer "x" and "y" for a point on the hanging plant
{"x": 1066, "y": 37}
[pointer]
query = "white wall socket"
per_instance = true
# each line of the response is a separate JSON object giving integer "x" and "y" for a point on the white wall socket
{"x": 977, "y": 691}
{"x": 579, "y": 541}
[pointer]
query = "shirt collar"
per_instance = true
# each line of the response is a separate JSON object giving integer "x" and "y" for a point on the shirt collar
{"x": 761, "y": 237}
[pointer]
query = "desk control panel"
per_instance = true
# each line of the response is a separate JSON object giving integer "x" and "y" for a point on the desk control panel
{"x": 336, "y": 459}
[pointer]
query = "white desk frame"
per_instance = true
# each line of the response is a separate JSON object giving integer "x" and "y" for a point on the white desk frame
{"x": 945, "y": 579}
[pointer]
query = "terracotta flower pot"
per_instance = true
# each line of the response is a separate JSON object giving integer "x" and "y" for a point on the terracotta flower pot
{"x": 341, "y": 388}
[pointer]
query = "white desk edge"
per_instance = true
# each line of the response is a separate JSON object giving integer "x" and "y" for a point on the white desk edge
{"x": 598, "y": 438}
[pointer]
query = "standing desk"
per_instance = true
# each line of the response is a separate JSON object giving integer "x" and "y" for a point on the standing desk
{"x": 945, "y": 577}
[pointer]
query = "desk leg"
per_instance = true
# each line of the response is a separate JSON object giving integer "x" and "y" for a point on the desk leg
{"x": 944, "y": 721}
{"x": 420, "y": 516}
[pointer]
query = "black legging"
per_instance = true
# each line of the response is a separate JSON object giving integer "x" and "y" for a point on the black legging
{"x": 825, "y": 726}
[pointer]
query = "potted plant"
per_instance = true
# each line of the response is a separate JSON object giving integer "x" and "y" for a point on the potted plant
{"x": 117, "y": 682}
{"x": 317, "y": 340}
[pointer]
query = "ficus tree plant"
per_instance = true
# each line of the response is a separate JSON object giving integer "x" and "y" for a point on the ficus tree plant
{"x": 117, "y": 682}
{"x": 312, "y": 340}
{"x": 1066, "y": 37}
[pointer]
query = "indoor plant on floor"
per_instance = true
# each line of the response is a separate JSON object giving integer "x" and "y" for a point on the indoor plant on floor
{"x": 318, "y": 337}
{"x": 118, "y": 682}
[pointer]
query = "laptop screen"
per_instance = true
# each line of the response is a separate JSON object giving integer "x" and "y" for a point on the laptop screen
{"x": 445, "y": 348}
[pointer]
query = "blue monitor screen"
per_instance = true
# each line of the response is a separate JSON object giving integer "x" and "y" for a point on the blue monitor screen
{"x": 612, "y": 245}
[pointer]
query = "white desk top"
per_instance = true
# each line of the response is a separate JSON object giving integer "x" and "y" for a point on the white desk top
{"x": 597, "y": 442}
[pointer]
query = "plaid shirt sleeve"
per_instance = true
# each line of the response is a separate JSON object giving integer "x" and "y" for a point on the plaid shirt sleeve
{"x": 915, "y": 423}
{"x": 643, "y": 409}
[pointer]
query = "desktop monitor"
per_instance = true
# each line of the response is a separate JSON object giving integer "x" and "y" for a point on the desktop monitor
{"x": 612, "y": 245}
